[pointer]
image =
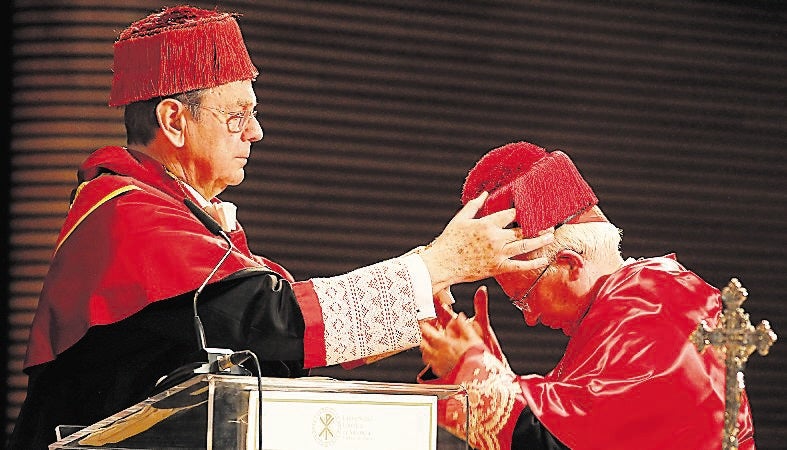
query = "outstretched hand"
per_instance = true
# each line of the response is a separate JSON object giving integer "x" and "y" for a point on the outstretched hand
{"x": 471, "y": 249}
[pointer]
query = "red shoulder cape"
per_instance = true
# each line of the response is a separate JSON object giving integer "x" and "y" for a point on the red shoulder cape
{"x": 630, "y": 377}
{"x": 128, "y": 240}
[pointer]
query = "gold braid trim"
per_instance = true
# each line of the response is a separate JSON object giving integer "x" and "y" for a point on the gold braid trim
{"x": 100, "y": 202}
{"x": 492, "y": 392}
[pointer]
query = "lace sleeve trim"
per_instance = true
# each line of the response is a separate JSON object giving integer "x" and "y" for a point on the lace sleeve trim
{"x": 368, "y": 311}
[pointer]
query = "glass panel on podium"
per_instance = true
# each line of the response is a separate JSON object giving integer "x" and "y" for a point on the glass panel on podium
{"x": 212, "y": 411}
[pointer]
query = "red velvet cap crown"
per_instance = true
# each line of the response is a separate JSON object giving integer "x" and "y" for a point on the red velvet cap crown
{"x": 545, "y": 187}
{"x": 177, "y": 50}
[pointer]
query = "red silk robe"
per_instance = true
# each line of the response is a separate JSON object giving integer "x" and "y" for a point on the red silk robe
{"x": 629, "y": 379}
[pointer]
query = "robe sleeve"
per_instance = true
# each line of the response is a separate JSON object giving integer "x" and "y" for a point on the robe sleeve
{"x": 495, "y": 401}
{"x": 367, "y": 312}
{"x": 256, "y": 311}
{"x": 137, "y": 246}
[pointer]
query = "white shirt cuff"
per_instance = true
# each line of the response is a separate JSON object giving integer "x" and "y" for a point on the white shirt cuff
{"x": 422, "y": 286}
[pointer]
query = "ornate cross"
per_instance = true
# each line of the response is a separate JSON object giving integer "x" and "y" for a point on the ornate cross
{"x": 737, "y": 339}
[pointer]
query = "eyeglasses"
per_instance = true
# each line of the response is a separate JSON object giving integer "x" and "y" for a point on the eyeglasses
{"x": 236, "y": 120}
{"x": 521, "y": 302}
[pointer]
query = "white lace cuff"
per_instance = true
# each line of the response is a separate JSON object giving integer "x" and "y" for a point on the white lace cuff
{"x": 374, "y": 309}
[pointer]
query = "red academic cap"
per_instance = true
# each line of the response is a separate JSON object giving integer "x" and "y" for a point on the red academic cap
{"x": 546, "y": 188}
{"x": 177, "y": 50}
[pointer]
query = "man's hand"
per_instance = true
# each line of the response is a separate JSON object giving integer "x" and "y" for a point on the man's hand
{"x": 482, "y": 325}
{"x": 471, "y": 249}
{"x": 441, "y": 348}
{"x": 444, "y": 301}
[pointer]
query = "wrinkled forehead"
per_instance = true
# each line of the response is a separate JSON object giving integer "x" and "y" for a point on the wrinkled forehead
{"x": 236, "y": 94}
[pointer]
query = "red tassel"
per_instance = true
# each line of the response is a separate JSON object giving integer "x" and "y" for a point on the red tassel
{"x": 550, "y": 193}
{"x": 545, "y": 188}
{"x": 500, "y": 167}
{"x": 178, "y": 50}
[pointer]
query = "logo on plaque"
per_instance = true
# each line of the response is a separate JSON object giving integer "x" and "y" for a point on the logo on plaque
{"x": 325, "y": 427}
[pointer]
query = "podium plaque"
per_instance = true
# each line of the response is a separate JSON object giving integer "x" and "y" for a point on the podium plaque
{"x": 223, "y": 412}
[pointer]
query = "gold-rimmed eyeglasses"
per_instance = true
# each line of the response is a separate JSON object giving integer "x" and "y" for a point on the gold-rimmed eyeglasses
{"x": 521, "y": 302}
{"x": 236, "y": 120}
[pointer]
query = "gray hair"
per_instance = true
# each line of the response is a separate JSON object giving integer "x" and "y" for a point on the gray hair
{"x": 596, "y": 241}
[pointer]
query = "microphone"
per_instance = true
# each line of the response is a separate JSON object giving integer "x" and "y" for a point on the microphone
{"x": 226, "y": 362}
{"x": 209, "y": 222}
{"x": 214, "y": 228}
{"x": 219, "y": 359}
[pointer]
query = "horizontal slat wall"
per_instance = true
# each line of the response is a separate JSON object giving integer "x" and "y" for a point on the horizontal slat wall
{"x": 5, "y": 158}
{"x": 374, "y": 112}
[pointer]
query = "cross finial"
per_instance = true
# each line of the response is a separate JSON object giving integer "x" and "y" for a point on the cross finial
{"x": 737, "y": 339}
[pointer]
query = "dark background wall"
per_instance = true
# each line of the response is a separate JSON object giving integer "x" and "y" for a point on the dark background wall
{"x": 374, "y": 112}
{"x": 5, "y": 158}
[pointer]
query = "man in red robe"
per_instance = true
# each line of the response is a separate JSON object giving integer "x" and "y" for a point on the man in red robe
{"x": 629, "y": 378}
{"x": 137, "y": 262}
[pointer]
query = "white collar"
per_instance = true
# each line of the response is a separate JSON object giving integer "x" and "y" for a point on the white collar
{"x": 224, "y": 213}
{"x": 202, "y": 201}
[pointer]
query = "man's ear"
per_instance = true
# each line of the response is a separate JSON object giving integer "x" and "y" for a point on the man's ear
{"x": 171, "y": 116}
{"x": 572, "y": 260}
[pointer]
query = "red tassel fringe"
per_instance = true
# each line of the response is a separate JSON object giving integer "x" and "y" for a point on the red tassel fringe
{"x": 545, "y": 188}
{"x": 180, "y": 59}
